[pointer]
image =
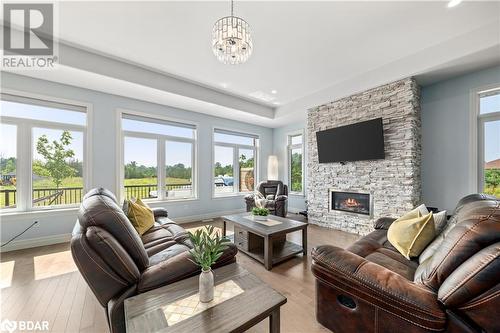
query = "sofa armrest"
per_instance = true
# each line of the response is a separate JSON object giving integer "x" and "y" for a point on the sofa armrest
{"x": 281, "y": 198}
{"x": 159, "y": 212}
{"x": 383, "y": 222}
{"x": 377, "y": 285}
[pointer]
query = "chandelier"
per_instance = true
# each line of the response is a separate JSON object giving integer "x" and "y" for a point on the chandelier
{"x": 231, "y": 39}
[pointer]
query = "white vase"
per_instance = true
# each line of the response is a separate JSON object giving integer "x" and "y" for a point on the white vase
{"x": 206, "y": 286}
{"x": 259, "y": 218}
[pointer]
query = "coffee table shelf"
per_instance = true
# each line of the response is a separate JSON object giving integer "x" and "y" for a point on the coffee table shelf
{"x": 266, "y": 243}
{"x": 281, "y": 252}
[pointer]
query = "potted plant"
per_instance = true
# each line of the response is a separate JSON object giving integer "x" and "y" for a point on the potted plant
{"x": 208, "y": 246}
{"x": 260, "y": 213}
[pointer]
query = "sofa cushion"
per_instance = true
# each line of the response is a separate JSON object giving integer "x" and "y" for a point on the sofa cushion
{"x": 375, "y": 248}
{"x": 166, "y": 267}
{"x": 161, "y": 236}
{"x": 171, "y": 251}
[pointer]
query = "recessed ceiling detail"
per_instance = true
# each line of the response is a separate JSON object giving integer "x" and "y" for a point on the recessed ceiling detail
{"x": 260, "y": 95}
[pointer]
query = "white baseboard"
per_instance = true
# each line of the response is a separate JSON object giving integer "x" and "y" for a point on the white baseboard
{"x": 211, "y": 215}
{"x": 295, "y": 210}
{"x": 35, "y": 242}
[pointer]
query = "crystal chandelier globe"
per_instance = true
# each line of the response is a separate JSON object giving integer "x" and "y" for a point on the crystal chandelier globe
{"x": 231, "y": 39}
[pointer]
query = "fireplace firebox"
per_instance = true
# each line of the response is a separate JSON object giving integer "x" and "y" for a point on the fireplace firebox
{"x": 351, "y": 202}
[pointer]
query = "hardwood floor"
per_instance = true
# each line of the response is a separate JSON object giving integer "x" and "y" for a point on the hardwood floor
{"x": 43, "y": 284}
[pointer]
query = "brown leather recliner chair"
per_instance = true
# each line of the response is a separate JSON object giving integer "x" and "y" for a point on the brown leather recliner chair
{"x": 277, "y": 195}
{"x": 454, "y": 286}
{"x": 117, "y": 263}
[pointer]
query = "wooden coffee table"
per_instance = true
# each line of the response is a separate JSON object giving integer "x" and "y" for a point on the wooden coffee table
{"x": 241, "y": 301}
{"x": 266, "y": 241}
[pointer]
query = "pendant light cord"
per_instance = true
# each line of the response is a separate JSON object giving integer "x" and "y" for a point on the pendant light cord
{"x": 232, "y": 6}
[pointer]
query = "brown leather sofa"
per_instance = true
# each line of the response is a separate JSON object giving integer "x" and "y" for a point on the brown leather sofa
{"x": 277, "y": 195}
{"x": 117, "y": 263}
{"x": 454, "y": 286}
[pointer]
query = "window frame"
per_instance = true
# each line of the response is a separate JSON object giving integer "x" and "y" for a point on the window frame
{"x": 236, "y": 164}
{"x": 289, "y": 148}
{"x": 161, "y": 140}
{"x": 24, "y": 147}
{"x": 477, "y": 133}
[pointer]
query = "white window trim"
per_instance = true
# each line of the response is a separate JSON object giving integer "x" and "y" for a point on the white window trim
{"x": 160, "y": 146}
{"x": 476, "y": 137}
{"x": 288, "y": 166}
{"x": 236, "y": 164}
{"x": 24, "y": 152}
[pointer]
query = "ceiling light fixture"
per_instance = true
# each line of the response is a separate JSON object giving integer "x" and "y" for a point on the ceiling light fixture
{"x": 274, "y": 91}
{"x": 454, "y": 3}
{"x": 231, "y": 39}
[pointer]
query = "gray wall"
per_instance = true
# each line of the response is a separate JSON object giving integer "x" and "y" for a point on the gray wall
{"x": 105, "y": 165}
{"x": 445, "y": 137}
{"x": 295, "y": 202}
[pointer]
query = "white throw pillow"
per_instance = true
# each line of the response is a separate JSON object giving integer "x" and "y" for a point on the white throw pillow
{"x": 423, "y": 210}
{"x": 440, "y": 221}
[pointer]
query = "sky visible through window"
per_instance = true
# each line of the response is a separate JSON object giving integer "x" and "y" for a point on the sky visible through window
{"x": 8, "y": 141}
{"x": 490, "y": 104}
{"x": 139, "y": 151}
{"x": 142, "y": 151}
{"x": 34, "y": 112}
{"x": 30, "y": 111}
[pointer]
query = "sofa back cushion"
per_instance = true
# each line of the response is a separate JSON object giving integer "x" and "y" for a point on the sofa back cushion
{"x": 271, "y": 188}
{"x": 474, "y": 226}
{"x": 99, "y": 208}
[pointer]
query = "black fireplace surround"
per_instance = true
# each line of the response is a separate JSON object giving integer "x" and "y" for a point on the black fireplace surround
{"x": 352, "y": 202}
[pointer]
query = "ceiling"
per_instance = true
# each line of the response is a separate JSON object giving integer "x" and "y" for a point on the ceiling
{"x": 300, "y": 48}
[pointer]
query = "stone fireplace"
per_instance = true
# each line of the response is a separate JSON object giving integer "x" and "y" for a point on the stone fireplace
{"x": 351, "y": 202}
{"x": 385, "y": 187}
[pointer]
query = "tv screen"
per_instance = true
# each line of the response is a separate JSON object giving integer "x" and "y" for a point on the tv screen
{"x": 356, "y": 142}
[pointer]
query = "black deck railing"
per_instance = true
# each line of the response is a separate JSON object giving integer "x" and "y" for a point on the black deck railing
{"x": 74, "y": 195}
{"x": 150, "y": 191}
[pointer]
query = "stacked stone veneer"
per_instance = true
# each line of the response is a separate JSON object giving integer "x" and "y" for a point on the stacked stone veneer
{"x": 394, "y": 181}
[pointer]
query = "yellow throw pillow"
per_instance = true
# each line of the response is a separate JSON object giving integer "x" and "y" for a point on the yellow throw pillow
{"x": 411, "y": 233}
{"x": 140, "y": 215}
{"x": 416, "y": 212}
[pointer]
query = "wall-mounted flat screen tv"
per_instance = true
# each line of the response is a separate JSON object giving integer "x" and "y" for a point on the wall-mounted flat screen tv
{"x": 356, "y": 142}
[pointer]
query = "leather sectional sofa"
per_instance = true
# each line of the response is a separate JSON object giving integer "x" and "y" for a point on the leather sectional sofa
{"x": 454, "y": 285}
{"x": 117, "y": 263}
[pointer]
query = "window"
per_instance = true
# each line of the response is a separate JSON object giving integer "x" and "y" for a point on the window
{"x": 489, "y": 142}
{"x": 42, "y": 155}
{"x": 158, "y": 154}
{"x": 235, "y": 160}
{"x": 296, "y": 163}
